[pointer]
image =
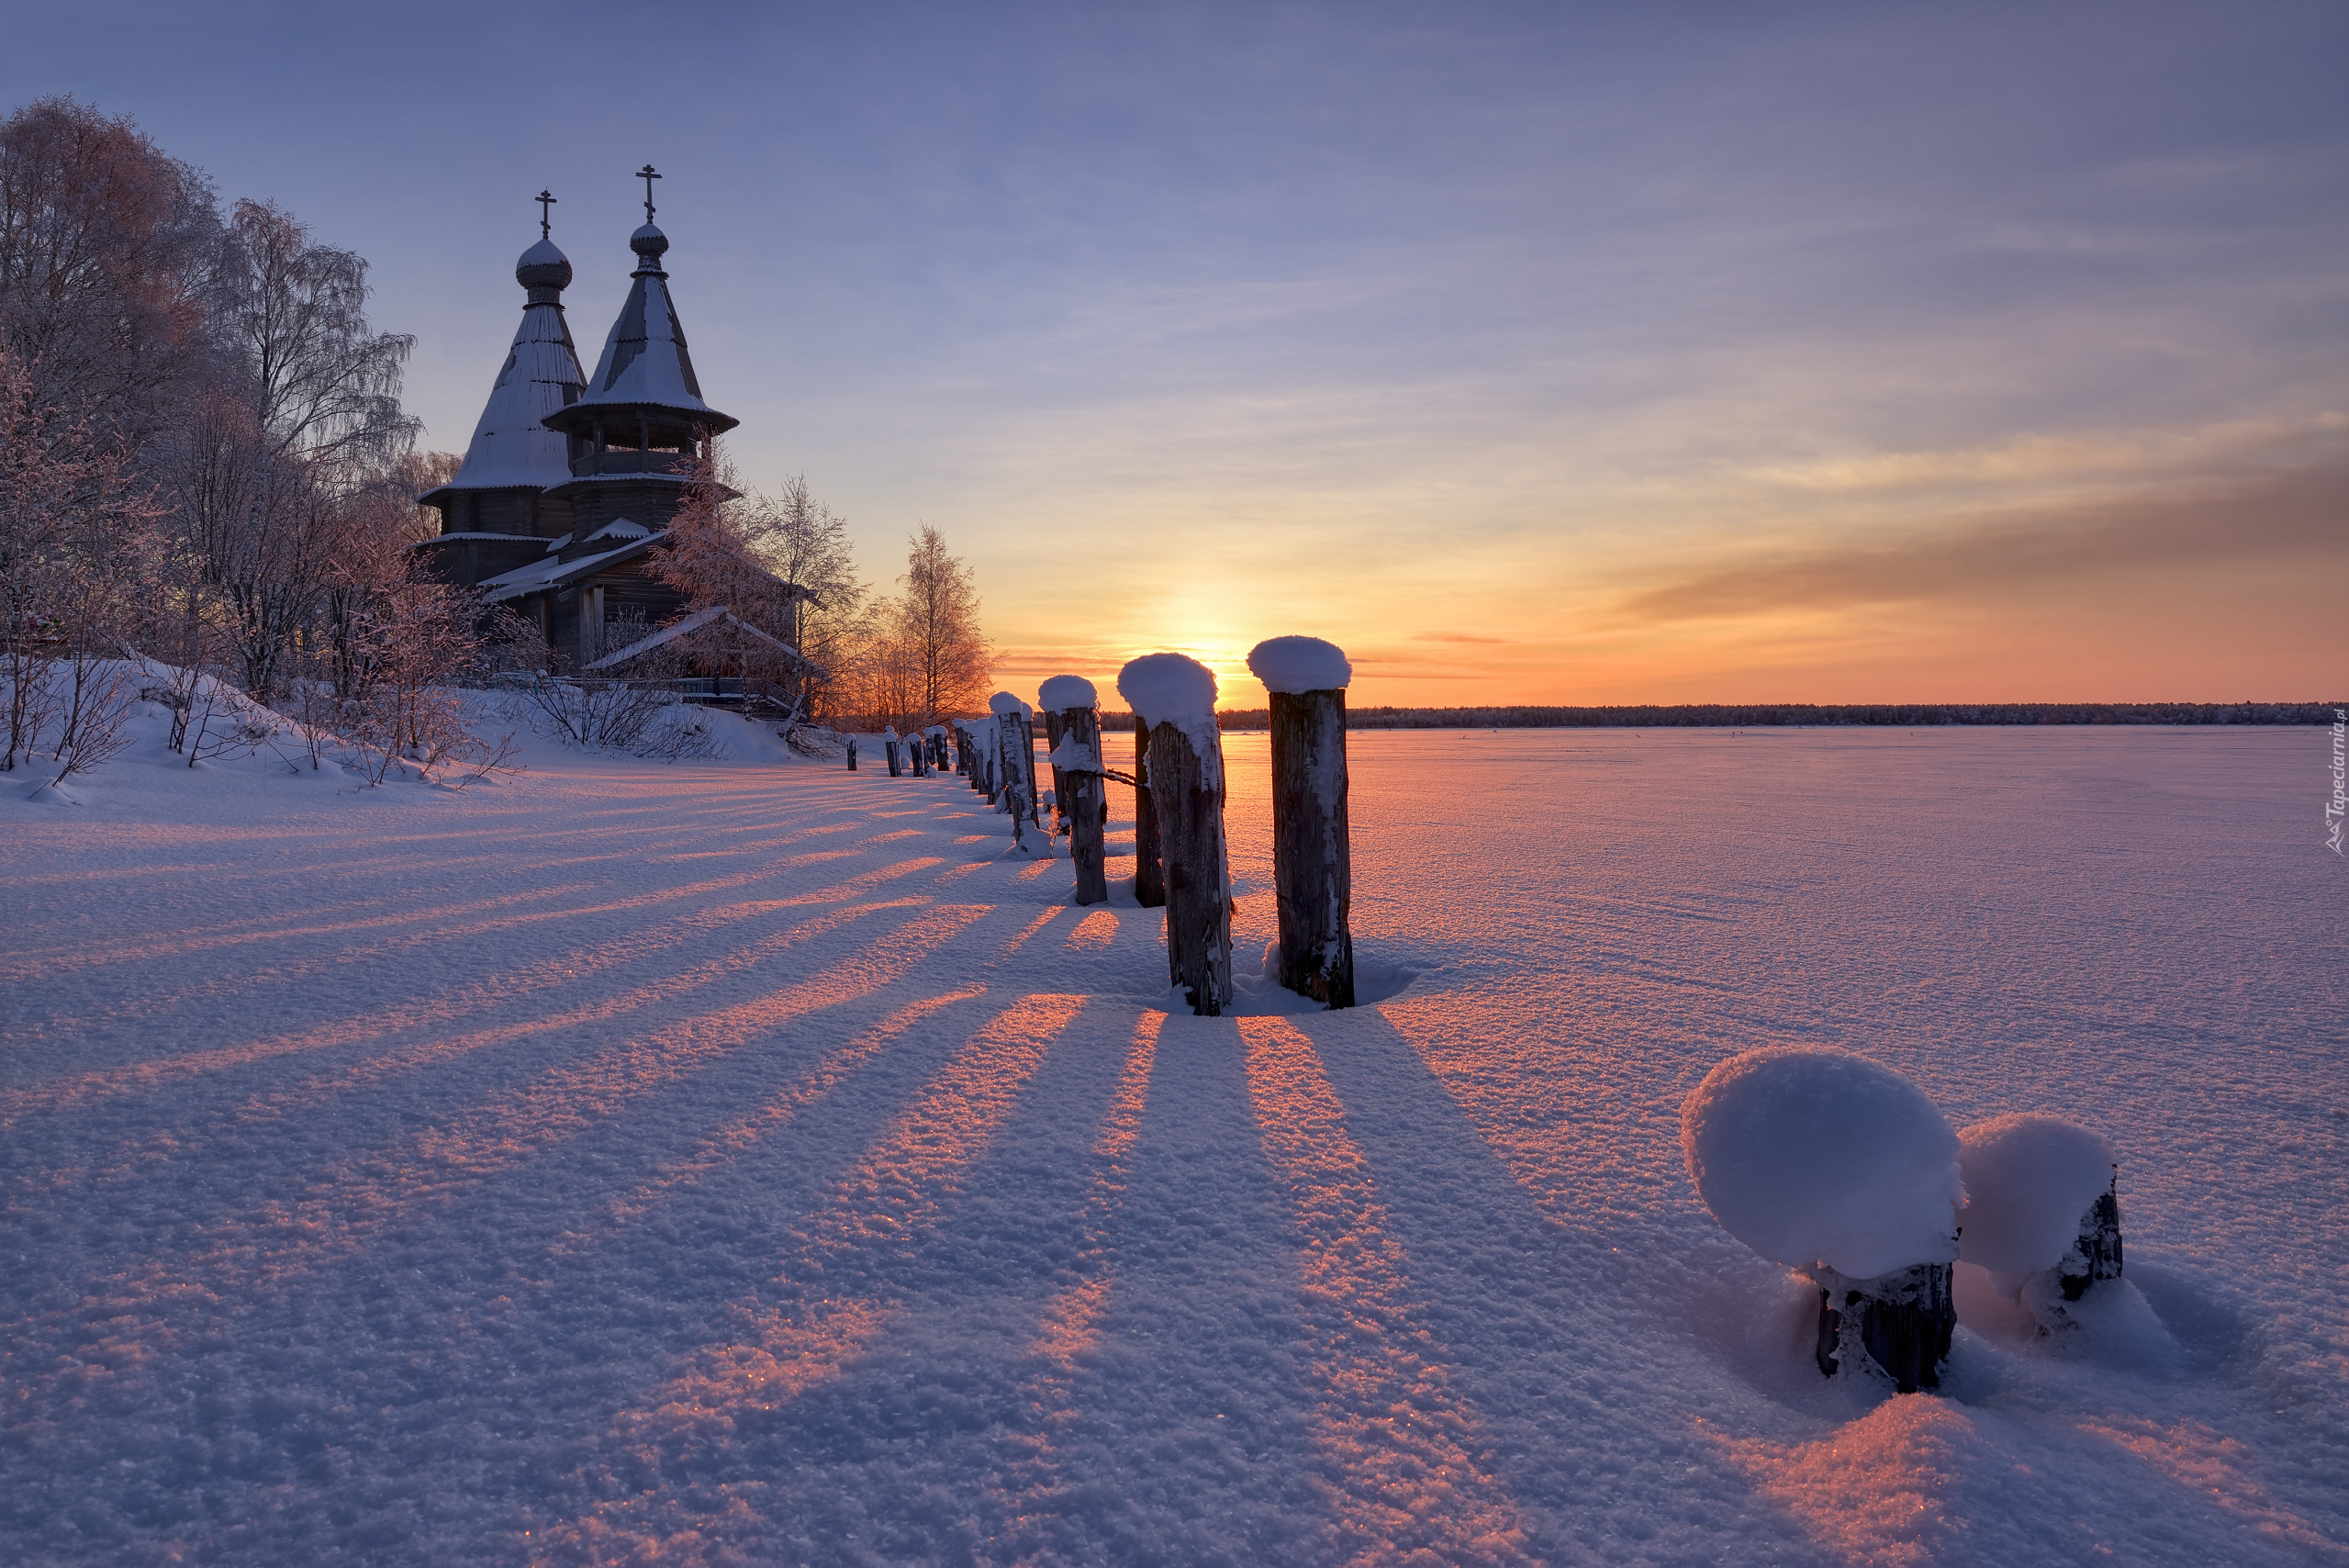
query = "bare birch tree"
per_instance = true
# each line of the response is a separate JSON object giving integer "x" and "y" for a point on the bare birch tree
{"x": 937, "y": 629}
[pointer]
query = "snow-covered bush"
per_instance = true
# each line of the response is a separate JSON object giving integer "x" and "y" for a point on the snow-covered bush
{"x": 636, "y": 718}
{"x": 1814, "y": 1156}
{"x": 2030, "y": 1180}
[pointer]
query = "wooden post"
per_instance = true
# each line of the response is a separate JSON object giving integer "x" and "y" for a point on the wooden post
{"x": 1312, "y": 856}
{"x": 1027, "y": 765}
{"x": 1187, "y": 785}
{"x": 1313, "y": 874}
{"x": 1012, "y": 739}
{"x": 1174, "y": 696}
{"x": 1149, "y": 874}
{"x": 1054, "y": 728}
{"x": 1079, "y": 793}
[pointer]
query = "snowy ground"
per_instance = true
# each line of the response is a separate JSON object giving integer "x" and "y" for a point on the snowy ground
{"x": 753, "y": 1160}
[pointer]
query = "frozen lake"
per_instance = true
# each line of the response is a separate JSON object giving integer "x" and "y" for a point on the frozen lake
{"x": 759, "y": 1164}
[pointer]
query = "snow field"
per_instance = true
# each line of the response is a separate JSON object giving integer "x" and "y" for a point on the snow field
{"x": 744, "y": 1161}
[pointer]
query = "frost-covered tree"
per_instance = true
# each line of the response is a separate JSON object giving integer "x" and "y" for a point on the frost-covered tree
{"x": 777, "y": 563}
{"x": 108, "y": 249}
{"x": 323, "y": 384}
{"x": 77, "y": 549}
{"x": 937, "y": 628}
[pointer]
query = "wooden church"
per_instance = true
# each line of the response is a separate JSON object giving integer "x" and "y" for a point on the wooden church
{"x": 571, "y": 480}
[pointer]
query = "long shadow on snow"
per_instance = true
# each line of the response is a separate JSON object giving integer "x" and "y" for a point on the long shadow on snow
{"x": 1554, "y": 1345}
{"x": 1178, "y": 1436}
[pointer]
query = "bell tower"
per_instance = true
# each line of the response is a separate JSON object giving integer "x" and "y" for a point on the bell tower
{"x": 638, "y": 427}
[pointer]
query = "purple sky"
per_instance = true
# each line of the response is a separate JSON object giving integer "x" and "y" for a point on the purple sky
{"x": 1532, "y": 353}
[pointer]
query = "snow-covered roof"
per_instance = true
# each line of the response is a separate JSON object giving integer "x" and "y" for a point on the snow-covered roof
{"x": 645, "y": 359}
{"x": 553, "y": 571}
{"x": 695, "y": 622}
{"x": 512, "y": 449}
{"x": 620, "y": 528}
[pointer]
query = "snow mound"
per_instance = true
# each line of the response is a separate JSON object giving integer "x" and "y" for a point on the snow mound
{"x": 1816, "y": 1155}
{"x": 1168, "y": 689}
{"x": 2030, "y": 1178}
{"x": 1007, "y": 706}
{"x": 1063, "y": 691}
{"x": 1300, "y": 664}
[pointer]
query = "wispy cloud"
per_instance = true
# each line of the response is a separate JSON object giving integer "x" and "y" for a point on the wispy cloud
{"x": 2294, "y": 516}
{"x": 2041, "y": 457}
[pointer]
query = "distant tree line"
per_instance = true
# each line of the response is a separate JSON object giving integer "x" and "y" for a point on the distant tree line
{"x": 1761, "y": 715}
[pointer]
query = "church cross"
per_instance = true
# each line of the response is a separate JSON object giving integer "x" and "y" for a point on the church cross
{"x": 648, "y": 176}
{"x": 546, "y": 198}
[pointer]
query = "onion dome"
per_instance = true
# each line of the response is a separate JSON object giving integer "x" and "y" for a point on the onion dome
{"x": 544, "y": 265}
{"x": 512, "y": 448}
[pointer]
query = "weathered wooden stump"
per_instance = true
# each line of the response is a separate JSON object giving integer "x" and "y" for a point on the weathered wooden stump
{"x": 1149, "y": 872}
{"x": 1079, "y": 793}
{"x": 1312, "y": 858}
{"x": 1177, "y": 697}
{"x": 1902, "y": 1320}
{"x": 2096, "y": 1254}
{"x": 852, "y": 754}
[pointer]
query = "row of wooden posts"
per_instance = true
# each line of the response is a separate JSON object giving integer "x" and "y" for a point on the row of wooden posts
{"x": 1181, "y": 858}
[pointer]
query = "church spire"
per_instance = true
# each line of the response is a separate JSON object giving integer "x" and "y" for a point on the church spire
{"x": 640, "y": 426}
{"x": 645, "y": 369}
{"x": 512, "y": 449}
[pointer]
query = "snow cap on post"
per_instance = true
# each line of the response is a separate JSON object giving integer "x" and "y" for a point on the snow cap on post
{"x": 1293, "y": 665}
{"x": 1066, "y": 691}
{"x": 1168, "y": 689}
{"x": 1004, "y": 703}
{"x": 2030, "y": 1181}
{"x": 1809, "y": 1155}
